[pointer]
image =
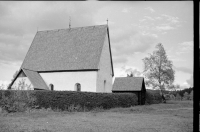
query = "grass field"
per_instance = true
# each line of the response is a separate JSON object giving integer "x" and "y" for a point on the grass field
{"x": 175, "y": 116}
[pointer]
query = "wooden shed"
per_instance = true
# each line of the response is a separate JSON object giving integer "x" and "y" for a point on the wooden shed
{"x": 131, "y": 85}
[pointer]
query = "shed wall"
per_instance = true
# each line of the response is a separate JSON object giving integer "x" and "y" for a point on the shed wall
{"x": 140, "y": 94}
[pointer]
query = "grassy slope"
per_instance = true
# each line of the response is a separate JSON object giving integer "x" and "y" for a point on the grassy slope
{"x": 173, "y": 116}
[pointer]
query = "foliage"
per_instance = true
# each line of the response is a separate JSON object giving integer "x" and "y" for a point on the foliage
{"x": 21, "y": 100}
{"x": 178, "y": 97}
{"x": 173, "y": 87}
{"x": 191, "y": 95}
{"x": 23, "y": 86}
{"x": 130, "y": 75}
{"x": 153, "y": 97}
{"x": 172, "y": 97}
{"x": 15, "y": 101}
{"x": 85, "y": 100}
{"x": 167, "y": 96}
{"x": 181, "y": 92}
{"x": 2, "y": 87}
{"x": 186, "y": 96}
{"x": 158, "y": 69}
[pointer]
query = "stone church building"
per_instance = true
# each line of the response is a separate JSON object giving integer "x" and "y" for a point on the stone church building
{"x": 73, "y": 59}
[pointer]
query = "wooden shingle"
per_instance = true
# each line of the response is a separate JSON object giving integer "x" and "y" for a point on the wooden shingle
{"x": 35, "y": 79}
{"x": 66, "y": 49}
{"x": 128, "y": 84}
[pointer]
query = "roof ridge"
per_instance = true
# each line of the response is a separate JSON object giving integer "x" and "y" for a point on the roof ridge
{"x": 72, "y": 28}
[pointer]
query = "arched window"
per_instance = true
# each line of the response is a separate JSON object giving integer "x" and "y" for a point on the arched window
{"x": 51, "y": 87}
{"x": 78, "y": 87}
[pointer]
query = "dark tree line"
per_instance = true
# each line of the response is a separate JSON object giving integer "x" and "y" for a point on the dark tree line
{"x": 180, "y": 92}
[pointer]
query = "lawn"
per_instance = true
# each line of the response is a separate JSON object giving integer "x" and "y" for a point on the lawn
{"x": 174, "y": 116}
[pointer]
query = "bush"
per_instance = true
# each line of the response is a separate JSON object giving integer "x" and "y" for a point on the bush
{"x": 153, "y": 97}
{"x": 172, "y": 97}
{"x": 13, "y": 100}
{"x": 178, "y": 97}
{"x": 191, "y": 95}
{"x": 85, "y": 100}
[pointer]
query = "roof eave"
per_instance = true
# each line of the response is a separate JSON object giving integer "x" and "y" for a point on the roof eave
{"x": 110, "y": 52}
{"x": 79, "y": 70}
{"x": 32, "y": 81}
{"x": 10, "y": 85}
{"x": 28, "y": 51}
{"x": 126, "y": 90}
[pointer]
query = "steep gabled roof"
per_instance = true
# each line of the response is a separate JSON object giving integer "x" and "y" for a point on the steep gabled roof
{"x": 66, "y": 49}
{"x": 128, "y": 84}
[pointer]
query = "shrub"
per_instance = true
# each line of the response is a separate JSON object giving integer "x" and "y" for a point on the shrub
{"x": 172, "y": 97}
{"x": 153, "y": 97}
{"x": 13, "y": 100}
{"x": 178, "y": 97}
{"x": 186, "y": 96}
{"x": 191, "y": 95}
{"x": 64, "y": 100}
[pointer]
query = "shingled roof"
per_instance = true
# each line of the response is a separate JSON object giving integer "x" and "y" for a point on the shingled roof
{"x": 35, "y": 79}
{"x": 66, "y": 49}
{"x": 128, "y": 84}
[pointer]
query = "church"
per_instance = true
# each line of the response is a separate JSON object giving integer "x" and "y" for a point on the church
{"x": 73, "y": 59}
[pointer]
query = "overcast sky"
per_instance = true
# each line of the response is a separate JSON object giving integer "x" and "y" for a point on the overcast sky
{"x": 135, "y": 28}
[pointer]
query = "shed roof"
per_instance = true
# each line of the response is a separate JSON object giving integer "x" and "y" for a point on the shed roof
{"x": 66, "y": 49}
{"x": 35, "y": 79}
{"x": 128, "y": 84}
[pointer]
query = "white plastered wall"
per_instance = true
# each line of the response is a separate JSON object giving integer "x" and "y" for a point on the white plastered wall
{"x": 66, "y": 80}
{"x": 105, "y": 69}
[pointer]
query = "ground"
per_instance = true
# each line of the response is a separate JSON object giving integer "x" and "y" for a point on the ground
{"x": 175, "y": 116}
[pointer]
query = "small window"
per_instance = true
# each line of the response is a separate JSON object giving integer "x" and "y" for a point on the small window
{"x": 78, "y": 87}
{"x": 104, "y": 85}
{"x": 51, "y": 87}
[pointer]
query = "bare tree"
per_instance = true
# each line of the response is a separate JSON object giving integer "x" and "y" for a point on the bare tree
{"x": 2, "y": 87}
{"x": 21, "y": 84}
